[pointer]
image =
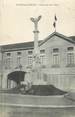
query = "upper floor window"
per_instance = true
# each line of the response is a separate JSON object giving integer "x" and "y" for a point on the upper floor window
{"x": 18, "y": 61}
{"x": 8, "y": 54}
{"x": 55, "y": 57}
{"x": 42, "y": 56}
{"x": 18, "y": 53}
{"x": 42, "y": 59}
{"x": 30, "y": 52}
{"x": 30, "y": 60}
{"x": 70, "y": 48}
{"x": 42, "y": 51}
{"x": 8, "y": 63}
{"x": 55, "y": 50}
{"x": 70, "y": 59}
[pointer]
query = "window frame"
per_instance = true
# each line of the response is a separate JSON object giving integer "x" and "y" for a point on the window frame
{"x": 70, "y": 56}
{"x": 30, "y": 60}
{"x": 55, "y": 57}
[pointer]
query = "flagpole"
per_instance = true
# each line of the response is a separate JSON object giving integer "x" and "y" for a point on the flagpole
{"x": 54, "y": 24}
{"x": 55, "y": 28}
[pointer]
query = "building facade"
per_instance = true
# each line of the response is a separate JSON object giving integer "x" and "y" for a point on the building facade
{"x": 57, "y": 55}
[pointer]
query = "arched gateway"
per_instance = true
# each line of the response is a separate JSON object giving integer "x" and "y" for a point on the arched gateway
{"x": 15, "y": 77}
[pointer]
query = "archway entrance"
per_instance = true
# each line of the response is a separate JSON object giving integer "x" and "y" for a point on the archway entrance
{"x": 15, "y": 78}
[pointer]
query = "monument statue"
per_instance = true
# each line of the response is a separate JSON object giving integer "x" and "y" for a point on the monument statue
{"x": 36, "y": 66}
{"x": 35, "y": 21}
{"x": 34, "y": 73}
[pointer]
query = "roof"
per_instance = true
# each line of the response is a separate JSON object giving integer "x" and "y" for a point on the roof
{"x": 72, "y": 37}
{"x": 59, "y": 35}
{"x": 30, "y": 45}
{"x": 20, "y": 46}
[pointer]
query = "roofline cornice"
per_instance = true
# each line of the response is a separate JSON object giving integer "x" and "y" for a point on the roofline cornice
{"x": 59, "y": 35}
{"x": 16, "y": 49}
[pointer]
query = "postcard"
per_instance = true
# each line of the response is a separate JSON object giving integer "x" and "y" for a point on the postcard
{"x": 37, "y": 58}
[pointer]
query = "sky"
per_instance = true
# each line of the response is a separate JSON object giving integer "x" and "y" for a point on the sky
{"x": 16, "y": 26}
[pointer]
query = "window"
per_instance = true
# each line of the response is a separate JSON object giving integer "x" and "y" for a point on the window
{"x": 30, "y": 52}
{"x": 30, "y": 60}
{"x": 8, "y": 63}
{"x": 70, "y": 48}
{"x": 42, "y": 56}
{"x": 18, "y": 61}
{"x": 42, "y": 59}
{"x": 55, "y": 50}
{"x": 8, "y": 54}
{"x": 42, "y": 51}
{"x": 70, "y": 58}
{"x": 18, "y": 53}
{"x": 55, "y": 59}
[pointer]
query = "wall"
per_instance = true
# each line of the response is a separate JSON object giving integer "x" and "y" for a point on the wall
{"x": 0, "y": 68}
{"x": 13, "y": 63}
{"x": 63, "y": 76}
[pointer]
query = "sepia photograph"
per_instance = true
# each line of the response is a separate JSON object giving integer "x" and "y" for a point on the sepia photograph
{"x": 37, "y": 58}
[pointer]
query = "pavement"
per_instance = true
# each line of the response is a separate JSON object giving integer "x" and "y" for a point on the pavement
{"x": 60, "y": 101}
